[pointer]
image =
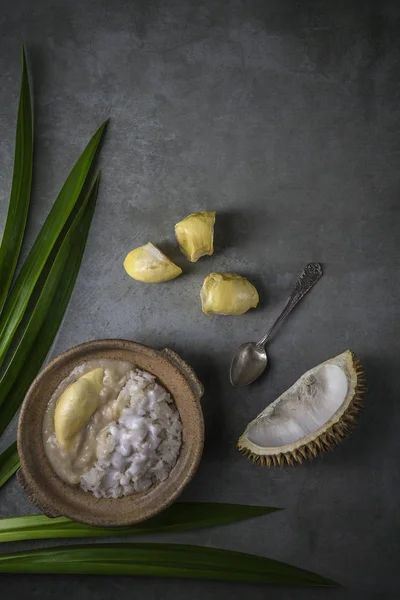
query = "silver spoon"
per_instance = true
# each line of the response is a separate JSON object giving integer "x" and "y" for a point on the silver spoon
{"x": 250, "y": 360}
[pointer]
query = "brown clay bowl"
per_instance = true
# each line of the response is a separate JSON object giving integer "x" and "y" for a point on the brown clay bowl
{"x": 54, "y": 497}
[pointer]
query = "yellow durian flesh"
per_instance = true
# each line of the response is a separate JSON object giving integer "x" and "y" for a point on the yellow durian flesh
{"x": 227, "y": 294}
{"x": 195, "y": 235}
{"x": 148, "y": 264}
{"x": 76, "y": 405}
{"x": 310, "y": 417}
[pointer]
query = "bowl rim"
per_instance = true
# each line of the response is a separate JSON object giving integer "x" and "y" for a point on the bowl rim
{"x": 32, "y": 485}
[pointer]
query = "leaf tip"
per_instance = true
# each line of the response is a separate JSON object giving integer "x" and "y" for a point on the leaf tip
{"x": 330, "y": 583}
{"x": 23, "y": 55}
{"x": 104, "y": 124}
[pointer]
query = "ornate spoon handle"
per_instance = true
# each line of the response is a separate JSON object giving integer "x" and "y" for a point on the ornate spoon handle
{"x": 305, "y": 282}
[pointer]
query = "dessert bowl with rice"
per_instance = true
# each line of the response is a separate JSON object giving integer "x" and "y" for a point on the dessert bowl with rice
{"x": 110, "y": 432}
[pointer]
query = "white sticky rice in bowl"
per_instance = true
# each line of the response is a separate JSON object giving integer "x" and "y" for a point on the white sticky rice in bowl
{"x": 140, "y": 448}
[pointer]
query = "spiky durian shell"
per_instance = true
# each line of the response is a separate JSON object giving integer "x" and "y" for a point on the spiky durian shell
{"x": 330, "y": 438}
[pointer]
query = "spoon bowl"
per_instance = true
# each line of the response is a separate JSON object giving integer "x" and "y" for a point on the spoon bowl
{"x": 250, "y": 360}
{"x": 248, "y": 364}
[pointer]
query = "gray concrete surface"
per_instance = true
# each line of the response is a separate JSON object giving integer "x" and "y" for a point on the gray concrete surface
{"x": 283, "y": 117}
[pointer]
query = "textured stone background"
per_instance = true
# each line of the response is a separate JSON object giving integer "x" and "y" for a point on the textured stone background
{"x": 283, "y": 117}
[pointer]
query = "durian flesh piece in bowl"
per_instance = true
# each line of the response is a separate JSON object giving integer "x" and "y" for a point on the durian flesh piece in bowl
{"x": 77, "y": 404}
{"x": 313, "y": 415}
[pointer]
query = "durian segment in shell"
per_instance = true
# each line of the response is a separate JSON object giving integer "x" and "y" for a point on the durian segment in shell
{"x": 310, "y": 417}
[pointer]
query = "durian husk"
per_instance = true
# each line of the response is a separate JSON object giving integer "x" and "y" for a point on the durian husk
{"x": 335, "y": 430}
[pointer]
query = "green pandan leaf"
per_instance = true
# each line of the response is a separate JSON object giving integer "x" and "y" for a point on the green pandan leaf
{"x": 159, "y": 560}
{"x": 9, "y": 463}
{"x": 178, "y": 517}
{"x": 21, "y": 291}
{"x": 42, "y": 327}
{"x": 20, "y": 189}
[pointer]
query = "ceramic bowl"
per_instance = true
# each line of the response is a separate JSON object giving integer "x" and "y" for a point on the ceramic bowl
{"x": 54, "y": 497}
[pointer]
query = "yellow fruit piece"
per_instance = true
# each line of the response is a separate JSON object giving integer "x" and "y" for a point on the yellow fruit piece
{"x": 76, "y": 405}
{"x": 195, "y": 235}
{"x": 147, "y": 263}
{"x": 227, "y": 294}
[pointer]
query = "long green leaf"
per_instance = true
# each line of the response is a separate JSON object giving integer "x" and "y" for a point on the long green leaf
{"x": 159, "y": 560}
{"x": 56, "y": 277}
{"x": 178, "y": 517}
{"x": 21, "y": 291}
{"x": 20, "y": 189}
{"x": 9, "y": 463}
{"x": 26, "y": 365}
